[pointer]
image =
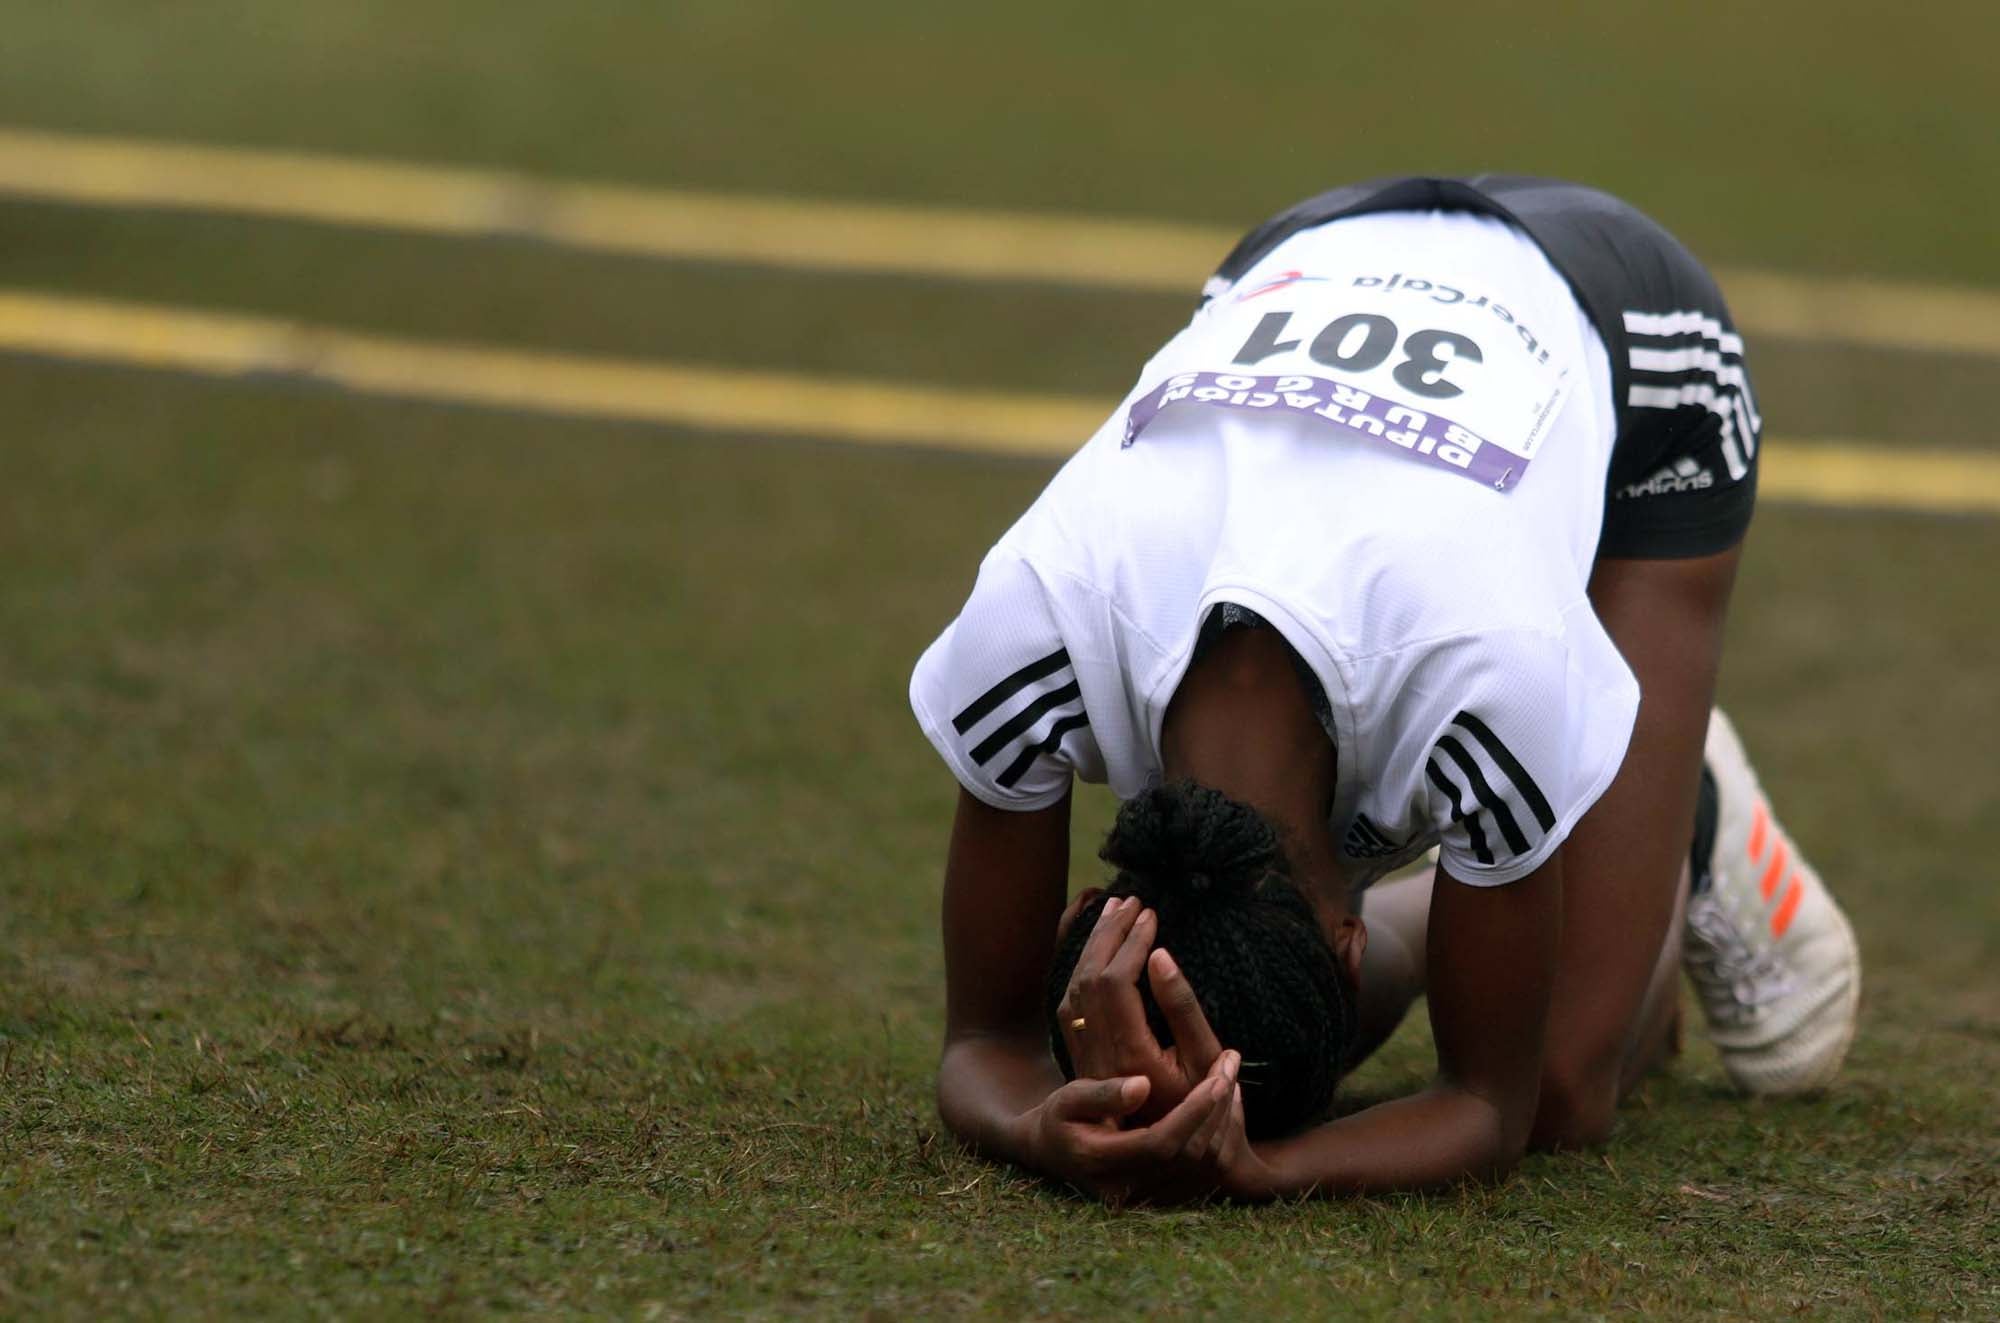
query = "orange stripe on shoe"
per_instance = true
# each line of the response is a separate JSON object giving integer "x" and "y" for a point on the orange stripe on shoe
{"x": 1779, "y": 858}
{"x": 1757, "y": 826}
{"x": 1787, "y": 907}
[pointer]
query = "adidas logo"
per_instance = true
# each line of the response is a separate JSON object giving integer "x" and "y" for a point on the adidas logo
{"x": 1365, "y": 840}
{"x": 1683, "y": 475}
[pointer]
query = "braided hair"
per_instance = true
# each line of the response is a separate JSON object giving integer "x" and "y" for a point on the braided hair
{"x": 1245, "y": 935}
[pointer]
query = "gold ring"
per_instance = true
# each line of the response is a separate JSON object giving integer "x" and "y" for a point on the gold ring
{"x": 1076, "y": 1025}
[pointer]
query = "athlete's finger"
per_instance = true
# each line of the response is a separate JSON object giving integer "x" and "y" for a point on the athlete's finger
{"x": 1231, "y": 1144}
{"x": 1196, "y": 1042}
{"x": 1207, "y": 1141}
{"x": 1149, "y": 1146}
{"x": 1113, "y": 1002}
{"x": 1099, "y": 1100}
{"x": 1113, "y": 922}
{"x": 1202, "y": 1143}
{"x": 1106, "y": 1044}
{"x": 1171, "y": 1133}
{"x": 1130, "y": 957}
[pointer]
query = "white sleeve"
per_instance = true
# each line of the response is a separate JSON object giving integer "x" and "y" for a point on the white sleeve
{"x": 1517, "y": 734}
{"x": 997, "y": 694}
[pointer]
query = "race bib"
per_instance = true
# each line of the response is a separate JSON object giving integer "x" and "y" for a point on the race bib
{"x": 1448, "y": 375}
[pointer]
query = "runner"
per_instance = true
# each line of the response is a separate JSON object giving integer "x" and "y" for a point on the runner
{"x": 1421, "y": 534}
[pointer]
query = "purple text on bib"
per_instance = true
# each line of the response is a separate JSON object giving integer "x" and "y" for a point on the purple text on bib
{"x": 1429, "y": 437}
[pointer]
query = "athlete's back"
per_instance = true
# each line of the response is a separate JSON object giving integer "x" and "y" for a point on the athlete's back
{"x": 1403, "y": 473}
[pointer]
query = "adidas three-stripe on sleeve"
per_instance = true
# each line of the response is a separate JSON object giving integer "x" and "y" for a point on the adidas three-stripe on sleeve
{"x": 1508, "y": 740}
{"x": 999, "y": 696}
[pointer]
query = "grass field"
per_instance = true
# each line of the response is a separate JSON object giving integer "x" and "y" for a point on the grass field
{"x": 455, "y": 862}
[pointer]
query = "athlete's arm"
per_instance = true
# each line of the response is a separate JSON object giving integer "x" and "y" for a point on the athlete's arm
{"x": 1624, "y": 858}
{"x": 999, "y": 1088}
{"x": 1492, "y": 960}
{"x": 1003, "y": 891}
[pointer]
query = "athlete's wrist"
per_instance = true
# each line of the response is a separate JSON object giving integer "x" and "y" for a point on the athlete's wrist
{"x": 1254, "y": 1179}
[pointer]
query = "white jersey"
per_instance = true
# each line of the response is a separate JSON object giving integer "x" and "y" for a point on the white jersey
{"x": 1389, "y": 439}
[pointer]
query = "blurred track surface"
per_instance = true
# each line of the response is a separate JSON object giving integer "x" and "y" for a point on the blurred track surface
{"x": 1840, "y": 473}
{"x": 1138, "y": 255}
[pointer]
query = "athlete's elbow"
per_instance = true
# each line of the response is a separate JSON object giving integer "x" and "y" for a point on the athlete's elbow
{"x": 964, "y": 1101}
{"x": 1571, "y": 1130}
{"x": 1504, "y": 1154}
{"x": 985, "y": 1084}
{"x": 1575, "y": 1109}
{"x": 1496, "y": 1137}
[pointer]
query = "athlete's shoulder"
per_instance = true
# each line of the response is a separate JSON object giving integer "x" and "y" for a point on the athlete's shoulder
{"x": 998, "y": 685}
{"x": 1506, "y": 737}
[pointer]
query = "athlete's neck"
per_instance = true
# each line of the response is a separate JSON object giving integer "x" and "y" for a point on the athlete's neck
{"x": 1241, "y": 723}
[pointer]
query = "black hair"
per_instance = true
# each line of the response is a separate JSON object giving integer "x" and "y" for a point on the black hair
{"x": 1245, "y": 935}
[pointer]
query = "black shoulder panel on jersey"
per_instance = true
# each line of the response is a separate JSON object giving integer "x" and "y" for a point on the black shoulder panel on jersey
{"x": 1616, "y": 259}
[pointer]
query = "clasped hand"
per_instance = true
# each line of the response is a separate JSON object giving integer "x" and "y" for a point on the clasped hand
{"x": 1142, "y": 1122}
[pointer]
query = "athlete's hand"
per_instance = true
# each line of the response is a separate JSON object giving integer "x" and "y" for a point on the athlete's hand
{"x": 1115, "y": 1040}
{"x": 1076, "y": 1135}
{"x": 1229, "y": 1164}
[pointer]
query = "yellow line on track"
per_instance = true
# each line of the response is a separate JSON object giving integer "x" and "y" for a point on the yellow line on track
{"x": 860, "y": 237}
{"x": 863, "y": 238}
{"x": 230, "y": 345}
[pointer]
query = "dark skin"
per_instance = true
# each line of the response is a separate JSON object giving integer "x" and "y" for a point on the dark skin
{"x": 1549, "y": 997}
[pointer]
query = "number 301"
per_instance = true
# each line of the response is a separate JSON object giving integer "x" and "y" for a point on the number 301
{"x": 1361, "y": 341}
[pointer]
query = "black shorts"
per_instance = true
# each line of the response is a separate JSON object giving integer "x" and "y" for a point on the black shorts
{"x": 1683, "y": 474}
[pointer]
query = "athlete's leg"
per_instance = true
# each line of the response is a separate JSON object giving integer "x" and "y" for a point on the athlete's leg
{"x": 1656, "y": 1034}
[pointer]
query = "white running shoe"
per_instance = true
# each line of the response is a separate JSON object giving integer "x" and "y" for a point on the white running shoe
{"x": 1772, "y": 958}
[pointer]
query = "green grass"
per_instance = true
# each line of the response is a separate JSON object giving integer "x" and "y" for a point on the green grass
{"x": 433, "y": 877}
{"x": 461, "y": 863}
